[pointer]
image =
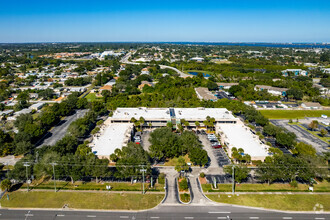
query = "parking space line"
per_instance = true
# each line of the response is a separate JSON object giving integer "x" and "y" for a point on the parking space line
{"x": 287, "y": 217}
{"x": 123, "y": 217}
{"x": 91, "y": 216}
{"x": 154, "y": 217}
{"x": 253, "y": 217}
{"x": 189, "y": 217}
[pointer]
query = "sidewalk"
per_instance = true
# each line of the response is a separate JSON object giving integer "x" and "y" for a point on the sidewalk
{"x": 92, "y": 191}
{"x": 275, "y": 193}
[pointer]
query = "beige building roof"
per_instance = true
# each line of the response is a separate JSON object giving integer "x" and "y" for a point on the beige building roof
{"x": 272, "y": 88}
{"x": 204, "y": 93}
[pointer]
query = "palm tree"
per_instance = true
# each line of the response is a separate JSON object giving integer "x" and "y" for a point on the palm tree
{"x": 197, "y": 124}
{"x": 186, "y": 124}
{"x": 133, "y": 120}
{"x": 142, "y": 121}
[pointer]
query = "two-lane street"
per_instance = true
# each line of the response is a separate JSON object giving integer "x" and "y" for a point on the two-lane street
{"x": 163, "y": 212}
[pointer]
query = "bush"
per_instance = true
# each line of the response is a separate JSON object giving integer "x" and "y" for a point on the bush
{"x": 202, "y": 175}
{"x": 290, "y": 121}
{"x": 161, "y": 178}
{"x": 95, "y": 130}
{"x": 183, "y": 184}
{"x": 294, "y": 184}
{"x": 99, "y": 122}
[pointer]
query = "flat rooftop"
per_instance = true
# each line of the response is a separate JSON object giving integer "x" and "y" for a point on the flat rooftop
{"x": 114, "y": 136}
{"x": 202, "y": 113}
{"x": 240, "y": 136}
{"x": 146, "y": 113}
{"x": 165, "y": 113}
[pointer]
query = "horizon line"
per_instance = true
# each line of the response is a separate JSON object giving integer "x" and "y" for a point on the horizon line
{"x": 226, "y": 42}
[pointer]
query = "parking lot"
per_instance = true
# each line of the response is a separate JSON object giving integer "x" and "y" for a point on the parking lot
{"x": 303, "y": 135}
{"x": 218, "y": 157}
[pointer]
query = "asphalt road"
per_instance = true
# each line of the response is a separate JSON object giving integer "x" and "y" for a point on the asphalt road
{"x": 59, "y": 131}
{"x": 162, "y": 212}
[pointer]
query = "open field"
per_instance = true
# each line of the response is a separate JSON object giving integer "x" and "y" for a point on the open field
{"x": 276, "y": 187}
{"x": 293, "y": 114}
{"x": 115, "y": 186}
{"x": 20, "y": 199}
{"x": 91, "y": 97}
{"x": 280, "y": 202}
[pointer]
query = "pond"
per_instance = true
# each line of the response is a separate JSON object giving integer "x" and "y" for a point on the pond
{"x": 195, "y": 74}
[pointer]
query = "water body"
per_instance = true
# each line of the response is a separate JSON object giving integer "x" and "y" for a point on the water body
{"x": 285, "y": 45}
{"x": 195, "y": 74}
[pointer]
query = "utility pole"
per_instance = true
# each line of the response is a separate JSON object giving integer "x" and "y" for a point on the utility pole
{"x": 143, "y": 170}
{"x": 26, "y": 164}
{"x": 53, "y": 164}
{"x": 233, "y": 176}
{"x": 7, "y": 170}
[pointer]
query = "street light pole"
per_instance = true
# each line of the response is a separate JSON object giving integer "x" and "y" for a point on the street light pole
{"x": 26, "y": 164}
{"x": 233, "y": 177}
{"x": 53, "y": 164}
{"x": 143, "y": 170}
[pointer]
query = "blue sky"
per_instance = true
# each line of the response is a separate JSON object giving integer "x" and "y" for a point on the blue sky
{"x": 167, "y": 20}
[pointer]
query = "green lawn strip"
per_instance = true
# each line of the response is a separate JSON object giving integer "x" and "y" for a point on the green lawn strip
{"x": 185, "y": 197}
{"x": 174, "y": 161}
{"x": 246, "y": 187}
{"x": 315, "y": 133}
{"x": 293, "y": 114}
{"x": 78, "y": 200}
{"x": 91, "y": 97}
{"x": 115, "y": 186}
{"x": 304, "y": 202}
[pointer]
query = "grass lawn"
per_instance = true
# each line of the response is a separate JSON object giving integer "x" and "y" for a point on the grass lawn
{"x": 78, "y": 200}
{"x": 174, "y": 161}
{"x": 115, "y": 186}
{"x": 92, "y": 97}
{"x": 246, "y": 187}
{"x": 185, "y": 197}
{"x": 280, "y": 202}
{"x": 293, "y": 114}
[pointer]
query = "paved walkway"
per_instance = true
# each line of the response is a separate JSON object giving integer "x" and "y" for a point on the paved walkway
{"x": 172, "y": 197}
{"x": 92, "y": 191}
{"x": 198, "y": 197}
{"x": 274, "y": 193}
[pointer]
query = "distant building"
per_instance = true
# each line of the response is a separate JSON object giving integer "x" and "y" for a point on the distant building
{"x": 311, "y": 105}
{"x": 272, "y": 90}
{"x": 204, "y": 94}
{"x": 106, "y": 87}
{"x": 326, "y": 70}
{"x": 226, "y": 85}
{"x": 197, "y": 59}
{"x": 145, "y": 71}
{"x": 295, "y": 72}
{"x": 37, "y": 106}
{"x": 143, "y": 83}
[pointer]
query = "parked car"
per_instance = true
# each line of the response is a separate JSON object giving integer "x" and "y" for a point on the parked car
{"x": 216, "y": 145}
